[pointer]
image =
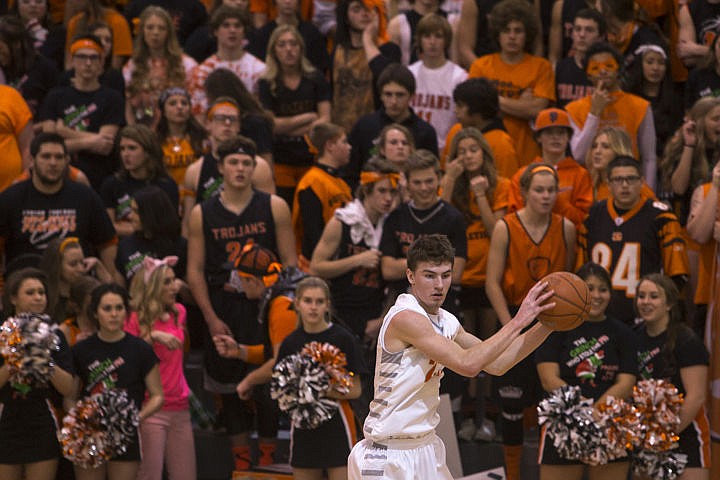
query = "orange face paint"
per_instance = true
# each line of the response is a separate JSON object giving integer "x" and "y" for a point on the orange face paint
{"x": 594, "y": 67}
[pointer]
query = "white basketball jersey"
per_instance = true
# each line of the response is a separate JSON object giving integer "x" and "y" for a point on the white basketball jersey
{"x": 433, "y": 99}
{"x": 407, "y": 383}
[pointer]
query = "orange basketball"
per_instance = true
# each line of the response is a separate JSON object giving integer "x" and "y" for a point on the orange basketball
{"x": 572, "y": 301}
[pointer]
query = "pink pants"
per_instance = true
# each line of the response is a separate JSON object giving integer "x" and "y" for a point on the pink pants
{"x": 168, "y": 436}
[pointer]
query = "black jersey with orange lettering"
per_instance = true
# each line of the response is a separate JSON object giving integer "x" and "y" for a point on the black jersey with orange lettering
{"x": 226, "y": 233}
{"x": 210, "y": 179}
{"x": 357, "y": 294}
{"x": 645, "y": 239}
{"x": 571, "y": 82}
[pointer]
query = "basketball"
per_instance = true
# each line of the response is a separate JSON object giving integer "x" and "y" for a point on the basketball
{"x": 572, "y": 301}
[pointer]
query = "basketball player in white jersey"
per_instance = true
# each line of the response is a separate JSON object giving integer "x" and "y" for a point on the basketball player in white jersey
{"x": 417, "y": 340}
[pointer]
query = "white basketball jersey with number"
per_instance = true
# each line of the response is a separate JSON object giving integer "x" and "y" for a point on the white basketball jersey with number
{"x": 433, "y": 99}
{"x": 407, "y": 383}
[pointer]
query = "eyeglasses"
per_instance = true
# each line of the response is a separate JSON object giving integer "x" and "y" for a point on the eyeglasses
{"x": 83, "y": 57}
{"x": 630, "y": 180}
{"x": 220, "y": 118}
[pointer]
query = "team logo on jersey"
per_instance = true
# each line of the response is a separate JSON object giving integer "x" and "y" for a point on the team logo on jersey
{"x": 617, "y": 236}
{"x": 538, "y": 267}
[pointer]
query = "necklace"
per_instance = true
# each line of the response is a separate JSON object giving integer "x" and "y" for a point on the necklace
{"x": 177, "y": 143}
{"x": 427, "y": 217}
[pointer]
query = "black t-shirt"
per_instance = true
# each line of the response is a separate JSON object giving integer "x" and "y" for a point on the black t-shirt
{"x": 592, "y": 355}
{"x": 571, "y": 82}
{"x": 111, "y": 78}
{"x": 406, "y": 224}
{"x": 705, "y": 17}
{"x": 259, "y": 129}
{"x": 287, "y": 149}
{"x": 62, "y": 358}
{"x": 29, "y": 220}
{"x": 701, "y": 82}
{"x": 132, "y": 249}
{"x": 123, "y": 365}
{"x": 117, "y": 193}
{"x": 86, "y": 112}
{"x": 335, "y": 335}
{"x": 37, "y": 82}
{"x": 655, "y": 362}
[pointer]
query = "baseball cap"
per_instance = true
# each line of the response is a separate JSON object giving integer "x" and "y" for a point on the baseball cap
{"x": 552, "y": 117}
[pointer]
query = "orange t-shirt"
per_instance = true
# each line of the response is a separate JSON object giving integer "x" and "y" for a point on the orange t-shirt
{"x": 705, "y": 265}
{"x": 122, "y": 40}
{"x": 534, "y": 73}
{"x": 575, "y": 194}
{"x": 527, "y": 261}
{"x": 502, "y": 147}
{"x": 625, "y": 111}
{"x": 177, "y": 157}
{"x": 478, "y": 238}
{"x": 15, "y": 115}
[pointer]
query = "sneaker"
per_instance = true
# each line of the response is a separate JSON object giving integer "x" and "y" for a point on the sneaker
{"x": 486, "y": 431}
{"x": 467, "y": 430}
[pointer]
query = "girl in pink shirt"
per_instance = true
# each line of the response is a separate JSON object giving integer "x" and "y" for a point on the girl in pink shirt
{"x": 156, "y": 317}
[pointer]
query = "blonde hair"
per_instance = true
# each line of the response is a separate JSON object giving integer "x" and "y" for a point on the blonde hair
{"x": 621, "y": 145}
{"x": 700, "y": 170}
{"x": 272, "y": 64}
{"x": 145, "y": 298}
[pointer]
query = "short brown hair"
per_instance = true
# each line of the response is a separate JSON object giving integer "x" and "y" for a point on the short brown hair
{"x": 224, "y": 12}
{"x": 435, "y": 249}
{"x": 420, "y": 160}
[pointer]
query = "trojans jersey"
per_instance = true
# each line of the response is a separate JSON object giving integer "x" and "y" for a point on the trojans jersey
{"x": 645, "y": 239}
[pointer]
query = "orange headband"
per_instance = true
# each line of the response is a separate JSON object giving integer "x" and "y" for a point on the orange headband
{"x": 372, "y": 177}
{"x": 66, "y": 243}
{"x": 221, "y": 104}
{"x": 85, "y": 43}
{"x": 543, "y": 168}
{"x": 311, "y": 147}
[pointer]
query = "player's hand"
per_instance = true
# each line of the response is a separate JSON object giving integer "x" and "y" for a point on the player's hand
{"x": 479, "y": 185}
{"x": 244, "y": 389}
{"x": 218, "y": 327}
{"x": 368, "y": 259}
{"x": 533, "y": 304}
{"x": 225, "y": 345}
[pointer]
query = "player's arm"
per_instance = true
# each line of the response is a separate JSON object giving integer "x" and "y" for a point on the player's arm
{"x": 688, "y": 49}
{"x": 196, "y": 274}
{"x": 527, "y": 106}
{"x": 262, "y": 177}
{"x": 393, "y": 268}
{"x": 495, "y": 269}
{"x": 284, "y": 236}
{"x": 555, "y": 36}
{"x": 413, "y": 328}
{"x": 570, "y": 243}
{"x": 467, "y": 33}
{"x": 190, "y": 186}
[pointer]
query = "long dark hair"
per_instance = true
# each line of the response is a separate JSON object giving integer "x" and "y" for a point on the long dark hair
{"x": 96, "y": 297}
{"x": 22, "y": 53}
{"x": 158, "y": 223}
{"x": 194, "y": 130}
{"x": 223, "y": 83}
{"x": 676, "y": 321}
